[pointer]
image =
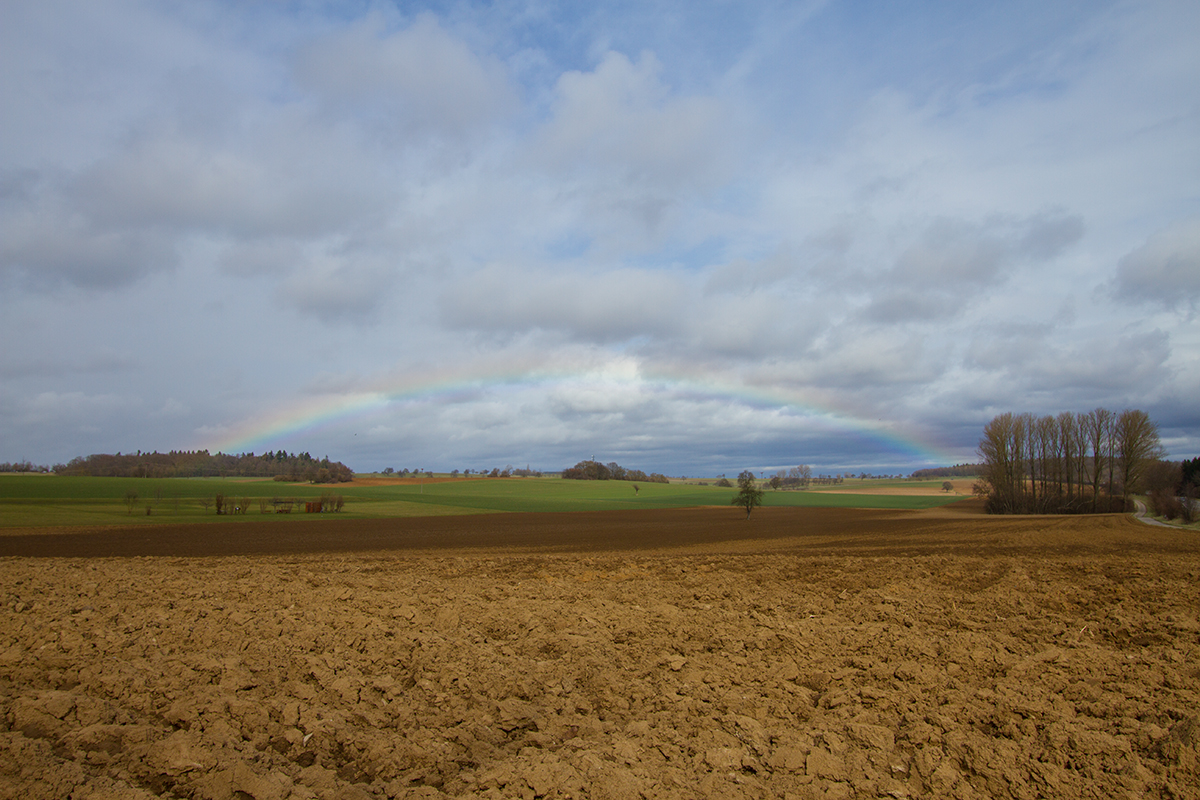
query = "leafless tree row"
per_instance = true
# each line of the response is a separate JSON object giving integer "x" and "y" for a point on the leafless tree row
{"x": 795, "y": 478}
{"x": 1070, "y": 463}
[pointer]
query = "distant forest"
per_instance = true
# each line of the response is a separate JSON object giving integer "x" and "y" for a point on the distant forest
{"x": 280, "y": 465}
{"x": 595, "y": 471}
{"x": 22, "y": 466}
{"x": 957, "y": 471}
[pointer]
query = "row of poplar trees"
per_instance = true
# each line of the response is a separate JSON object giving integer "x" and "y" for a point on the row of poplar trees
{"x": 1065, "y": 464}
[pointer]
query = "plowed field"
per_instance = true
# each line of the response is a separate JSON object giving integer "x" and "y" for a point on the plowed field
{"x": 803, "y": 653}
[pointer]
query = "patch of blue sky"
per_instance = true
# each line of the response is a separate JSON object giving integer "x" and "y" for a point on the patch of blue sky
{"x": 694, "y": 41}
{"x": 569, "y": 246}
{"x": 691, "y": 256}
{"x": 924, "y": 49}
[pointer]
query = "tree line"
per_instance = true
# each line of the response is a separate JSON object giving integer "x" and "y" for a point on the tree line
{"x": 22, "y": 466}
{"x": 1069, "y": 463}
{"x": 800, "y": 477}
{"x": 957, "y": 471}
{"x": 797, "y": 477}
{"x": 1173, "y": 488}
{"x": 280, "y": 465}
{"x": 595, "y": 471}
{"x": 231, "y": 505}
{"x": 507, "y": 471}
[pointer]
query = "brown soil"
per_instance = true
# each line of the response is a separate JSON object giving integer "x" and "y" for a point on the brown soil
{"x": 804, "y": 653}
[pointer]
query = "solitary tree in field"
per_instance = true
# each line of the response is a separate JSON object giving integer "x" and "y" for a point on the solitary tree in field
{"x": 947, "y": 486}
{"x": 748, "y": 495}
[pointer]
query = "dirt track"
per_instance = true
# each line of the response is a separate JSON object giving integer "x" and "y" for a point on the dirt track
{"x": 803, "y": 653}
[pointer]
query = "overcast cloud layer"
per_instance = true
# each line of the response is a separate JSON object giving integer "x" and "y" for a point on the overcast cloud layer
{"x": 690, "y": 237}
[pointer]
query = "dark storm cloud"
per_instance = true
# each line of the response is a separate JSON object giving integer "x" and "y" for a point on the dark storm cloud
{"x": 615, "y": 305}
{"x": 46, "y": 240}
{"x": 1165, "y": 270}
{"x": 952, "y": 261}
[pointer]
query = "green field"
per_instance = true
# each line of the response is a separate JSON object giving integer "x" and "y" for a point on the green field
{"x": 46, "y": 500}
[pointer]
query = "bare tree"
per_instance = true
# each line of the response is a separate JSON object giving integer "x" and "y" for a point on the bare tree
{"x": 1136, "y": 445}
{"x": 805, "y": 474}
{"x": 1028, "y": 436}
{"x": 1081, "y": 449}
{"x": 1098, "y": 426}
{"x": 1067, "y": 442}
{"x": 1040, "y": 464}
{"x": 1002, "y": 451}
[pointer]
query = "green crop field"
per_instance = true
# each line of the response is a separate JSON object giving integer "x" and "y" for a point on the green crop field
{"x": 50, "y": 500}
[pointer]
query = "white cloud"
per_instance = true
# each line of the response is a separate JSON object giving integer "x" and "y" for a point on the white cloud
{"x": 628, "y": 155}
{"x": 605, "y": 305}
{"x": 621, "y": 117}
{"x": 172, "y": 408}
{"x": 918, "y": 222}
{"x": 339, "y": 287}
{"x": 187, "y": 185}
{"x": 420, "y": 80}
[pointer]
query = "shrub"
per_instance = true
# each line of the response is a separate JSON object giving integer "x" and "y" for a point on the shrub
{"x": 1165, "y": 504}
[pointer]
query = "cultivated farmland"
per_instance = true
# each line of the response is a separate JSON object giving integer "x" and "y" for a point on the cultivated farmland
{"x": 50, "y": 500}
{"x": 642, "y": 652}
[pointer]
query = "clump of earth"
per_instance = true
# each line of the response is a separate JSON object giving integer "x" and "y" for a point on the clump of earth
{"x": 806, "y": 654}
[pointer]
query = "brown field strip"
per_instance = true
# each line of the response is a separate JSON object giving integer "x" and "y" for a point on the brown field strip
{"x": 803, "y": 654}
{"x": 803, "y": 530}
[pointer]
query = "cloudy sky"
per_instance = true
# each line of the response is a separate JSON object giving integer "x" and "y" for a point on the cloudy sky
{"x": 688, "y": 236}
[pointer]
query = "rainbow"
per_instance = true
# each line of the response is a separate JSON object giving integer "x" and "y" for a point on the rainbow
{"x": 324, "y": 411}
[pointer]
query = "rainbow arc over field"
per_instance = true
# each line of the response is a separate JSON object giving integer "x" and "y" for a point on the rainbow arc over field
{"x": 446, "y": 387}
